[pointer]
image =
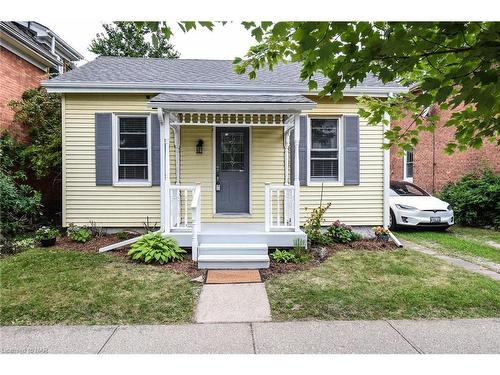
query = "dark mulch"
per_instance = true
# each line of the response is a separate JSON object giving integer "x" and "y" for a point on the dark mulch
{"x": 186, "y": 267}
{"x": 322, "y": 253}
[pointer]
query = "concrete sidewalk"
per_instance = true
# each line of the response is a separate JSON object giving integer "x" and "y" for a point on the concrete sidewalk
{"x": 403, "y": 336}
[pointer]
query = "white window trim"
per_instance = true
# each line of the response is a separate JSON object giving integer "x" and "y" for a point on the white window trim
{"x": 405, "y": 177}
{"x": 115, "y": 136}
{"x": 326, "y": 181}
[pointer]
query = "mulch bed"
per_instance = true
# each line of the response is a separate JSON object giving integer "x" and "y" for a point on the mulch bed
{"x": 186, "y": 267}
{"x": 322, "y": 253}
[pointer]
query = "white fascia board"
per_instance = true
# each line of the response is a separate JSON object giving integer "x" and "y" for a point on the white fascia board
{"x": 142, "y": 87}
{"x": 232, "y": 107}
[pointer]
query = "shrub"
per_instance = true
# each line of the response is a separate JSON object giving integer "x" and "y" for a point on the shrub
{"x": 46, "y": 233}
{"x": 8, "y": 247}
{"x": 300, "y": 251}
{"x": 153, "y": 247}
{"x": 475, "y": 199}
{"x": 79, "y": 234}
{"x": 341, "y": 233}
{"x": 312, "y": 226}
{"x": 20, "y": 205}
{"x": 283, "y": 256}
{"x": 122, "y": 235}
{"x": 25, "y": 243}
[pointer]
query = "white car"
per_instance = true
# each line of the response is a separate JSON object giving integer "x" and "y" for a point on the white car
{"x": 414, "y": 207}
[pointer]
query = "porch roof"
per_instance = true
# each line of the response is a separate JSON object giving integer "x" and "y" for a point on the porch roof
{"x": 201, "y": 102}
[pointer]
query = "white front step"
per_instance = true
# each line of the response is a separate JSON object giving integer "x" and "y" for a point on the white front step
{"x": 232, "y": 256}
{"x": 233, "y": 261}
{"x": 232, "y": 249}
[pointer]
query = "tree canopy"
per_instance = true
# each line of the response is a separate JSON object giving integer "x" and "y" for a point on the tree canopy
{"x": 453, "y": 64}
{"x": 132, "y": 40}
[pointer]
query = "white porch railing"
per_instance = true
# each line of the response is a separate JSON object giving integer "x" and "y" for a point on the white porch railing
{"x": 279, "y": 206}
{"x": 185, "y": 212}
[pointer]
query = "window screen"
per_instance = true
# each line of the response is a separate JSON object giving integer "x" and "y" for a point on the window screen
{"x": 133, "y": 148}
{"x": 324, "y": 148}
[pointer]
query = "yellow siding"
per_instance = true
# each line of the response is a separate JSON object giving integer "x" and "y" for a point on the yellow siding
{"x": 353, "y": 205}
{"x": 109, "y": 206}
{"x": 130, "y": 206}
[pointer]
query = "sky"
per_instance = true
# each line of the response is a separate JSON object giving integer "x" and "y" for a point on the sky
{"x": 224, "y": 42}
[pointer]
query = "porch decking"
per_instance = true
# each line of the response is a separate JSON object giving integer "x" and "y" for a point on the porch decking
{"x": 236, "y": 245}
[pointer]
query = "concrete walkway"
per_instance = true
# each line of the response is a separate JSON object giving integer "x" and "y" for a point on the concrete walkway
{"x": 403, "y": 336}
{"x": 490, "y": 269}
{"x": 231, "y": 303}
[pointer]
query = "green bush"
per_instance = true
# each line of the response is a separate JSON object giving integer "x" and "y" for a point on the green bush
{"x": 20, "y": 206}
{"x": 341, "y": 233}
{"x": 283, "y": 256}
{"x": 79, "y": 234}
{"x": 313, "y": 226}
{"x": 475, "y": 199}
{"x": 153, "y": 247}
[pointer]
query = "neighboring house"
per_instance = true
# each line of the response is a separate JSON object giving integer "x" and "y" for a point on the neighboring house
{"x": 29, "y": 53}
{"x": 429, "y": 167}
{"x": 227, "y": 165}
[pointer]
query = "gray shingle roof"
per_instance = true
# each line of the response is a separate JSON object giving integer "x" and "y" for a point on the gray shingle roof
{"x": 197, "y": 98}
{"x": 171, "y": 72}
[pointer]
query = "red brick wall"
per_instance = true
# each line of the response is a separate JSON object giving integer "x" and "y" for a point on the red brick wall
{"x": 447, "y": 168}
{"x": 16, "y": 76}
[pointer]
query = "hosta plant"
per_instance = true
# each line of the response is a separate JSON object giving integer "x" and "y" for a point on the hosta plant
{"x": 79, "y": 234}
{"x": 153, "y": 247}
{"x": 283, "y": 256}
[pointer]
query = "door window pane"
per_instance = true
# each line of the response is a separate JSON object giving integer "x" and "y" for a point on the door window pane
{"x": 232, "y": 152}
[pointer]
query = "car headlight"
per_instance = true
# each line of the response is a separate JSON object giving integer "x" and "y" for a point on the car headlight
{"x": 449, "y": 208}
{"x": 405, "y": 207}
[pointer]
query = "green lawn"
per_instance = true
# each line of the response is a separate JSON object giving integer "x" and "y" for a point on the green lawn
{"x": 400, "y": 284}
{"x": 44, "y": 286}
{"x": 459, "y": 241}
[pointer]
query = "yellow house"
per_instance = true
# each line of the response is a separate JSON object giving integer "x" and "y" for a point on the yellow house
{"x": 227, "y": 165}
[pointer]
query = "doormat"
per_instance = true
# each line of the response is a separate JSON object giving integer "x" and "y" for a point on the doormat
{"x": 233, "y": 276}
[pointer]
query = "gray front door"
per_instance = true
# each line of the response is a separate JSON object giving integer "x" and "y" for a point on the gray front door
{"x": 232, "y": 178}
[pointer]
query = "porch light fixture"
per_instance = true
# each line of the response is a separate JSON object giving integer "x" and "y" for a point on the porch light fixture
{"x": 199, "y": 146}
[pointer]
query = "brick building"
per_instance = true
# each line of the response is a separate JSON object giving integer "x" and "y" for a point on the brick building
{"x": 429, "y": 167}
{"x": 29, "y": 53}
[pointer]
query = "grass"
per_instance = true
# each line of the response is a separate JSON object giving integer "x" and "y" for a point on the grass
{"x": 400, "y": 284}
{"x": 459, "y": 241}
{"x": 44, "y": 286}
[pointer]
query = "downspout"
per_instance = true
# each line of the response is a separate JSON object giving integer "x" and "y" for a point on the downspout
{"x": 387, "y": 171}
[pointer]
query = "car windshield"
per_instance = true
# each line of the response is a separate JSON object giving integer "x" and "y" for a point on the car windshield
{"x": 406, "y": 189}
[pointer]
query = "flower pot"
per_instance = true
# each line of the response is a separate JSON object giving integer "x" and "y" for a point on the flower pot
{"x": 383, "y": 237}
{"x": 48, "y": 242}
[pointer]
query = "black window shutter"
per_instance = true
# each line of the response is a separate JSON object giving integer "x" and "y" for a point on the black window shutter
{"x": 351, "y": 150}
{"x": 302, "y": 153}
{"x": 103, "y": 149}
{"x": 155, "y": 149}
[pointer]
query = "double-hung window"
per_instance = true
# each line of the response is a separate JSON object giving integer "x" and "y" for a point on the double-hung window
{"x": 408, "y": 166}
{"x": 324, "y": 149}
{"x": 133, "y": 151}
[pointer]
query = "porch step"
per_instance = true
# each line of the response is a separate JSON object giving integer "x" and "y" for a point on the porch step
{"x": 232, "y": 249}
{"x": 232, "y": 256}
{"x": 223, "y": 261}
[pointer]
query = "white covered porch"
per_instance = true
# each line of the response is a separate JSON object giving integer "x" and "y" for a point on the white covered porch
{"x": 236, "y": 242}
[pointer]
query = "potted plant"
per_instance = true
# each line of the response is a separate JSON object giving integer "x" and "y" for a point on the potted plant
{"x": 47, "y": 236}
{"x": 381, "y": 233}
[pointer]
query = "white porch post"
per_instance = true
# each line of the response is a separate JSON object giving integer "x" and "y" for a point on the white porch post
{"x": 296, "y": 181}
{"x": 165, "y": 172}
{"x": 287, "y": 156}
{"x": 177, "y": 146}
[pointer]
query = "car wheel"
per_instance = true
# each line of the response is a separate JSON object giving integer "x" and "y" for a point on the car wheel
{"x": 392, "y": 221}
